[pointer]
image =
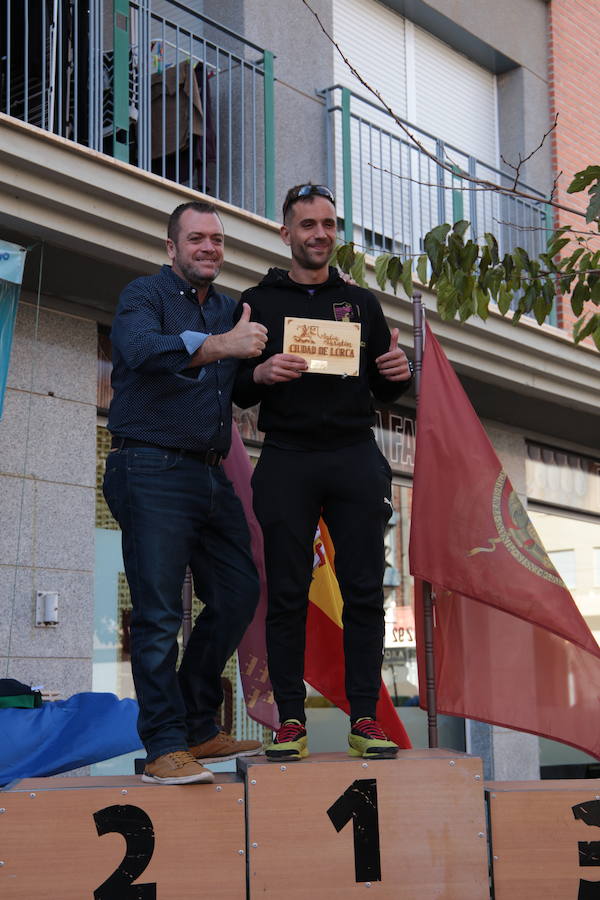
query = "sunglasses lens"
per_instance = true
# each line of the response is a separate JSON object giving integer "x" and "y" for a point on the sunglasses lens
{"x": 307, "y": 190}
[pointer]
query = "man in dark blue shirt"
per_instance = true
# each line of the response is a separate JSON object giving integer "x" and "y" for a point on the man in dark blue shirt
{"x": 175, "y": 355}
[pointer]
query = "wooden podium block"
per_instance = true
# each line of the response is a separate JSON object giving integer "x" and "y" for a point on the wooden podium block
{"x": 545, "y": 839}
{"x": 115, "y": 838}
{"x": 329, "y": 826}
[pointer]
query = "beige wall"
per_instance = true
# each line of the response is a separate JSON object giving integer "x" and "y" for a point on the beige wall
{"x": 47, "y": 480}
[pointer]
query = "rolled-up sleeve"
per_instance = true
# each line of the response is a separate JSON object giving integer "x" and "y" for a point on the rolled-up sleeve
{"x": 136, "y": 334}
{"x": 193, "y": 340}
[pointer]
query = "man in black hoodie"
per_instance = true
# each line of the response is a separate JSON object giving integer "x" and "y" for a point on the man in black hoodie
{"x": 320, "y": 459}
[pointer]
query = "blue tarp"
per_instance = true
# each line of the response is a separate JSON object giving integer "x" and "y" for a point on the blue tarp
{"x": 66, "y": 734}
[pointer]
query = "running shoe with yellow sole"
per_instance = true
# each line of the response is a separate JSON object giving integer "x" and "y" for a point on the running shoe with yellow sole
{"x": 367, "y": 739}
{"x": 289, "y": 743}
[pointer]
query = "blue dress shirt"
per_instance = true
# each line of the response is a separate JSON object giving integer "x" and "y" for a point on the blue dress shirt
{"x": 158, "y": 397}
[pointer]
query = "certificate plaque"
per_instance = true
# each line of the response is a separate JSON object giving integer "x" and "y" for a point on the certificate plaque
{"x": 329, "y": 348}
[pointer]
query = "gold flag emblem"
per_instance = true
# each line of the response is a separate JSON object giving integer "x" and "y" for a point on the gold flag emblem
{"x": 516, "y": 533}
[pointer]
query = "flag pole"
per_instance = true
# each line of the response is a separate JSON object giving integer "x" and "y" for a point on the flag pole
{"x": 432, "y": 722}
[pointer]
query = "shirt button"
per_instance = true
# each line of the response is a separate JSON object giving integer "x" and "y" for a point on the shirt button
{"x": 221, "y": 424}
{"x": 181, "y": 293}
{"x": 219, "y": 362}
{"x": 220, "y": 392}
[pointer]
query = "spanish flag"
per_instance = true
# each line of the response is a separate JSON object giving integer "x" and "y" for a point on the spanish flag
{"x": 324, "y": 656}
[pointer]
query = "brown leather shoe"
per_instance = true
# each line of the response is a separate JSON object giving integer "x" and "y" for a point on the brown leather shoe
{"x": 179, "y": 767}
{"x": 223, "y": 746}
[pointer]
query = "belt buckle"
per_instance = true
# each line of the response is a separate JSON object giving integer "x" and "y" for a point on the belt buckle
{"x": 213, "y": 458}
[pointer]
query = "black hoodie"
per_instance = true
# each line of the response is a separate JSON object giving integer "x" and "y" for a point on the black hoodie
{"x": 316, "y": 411}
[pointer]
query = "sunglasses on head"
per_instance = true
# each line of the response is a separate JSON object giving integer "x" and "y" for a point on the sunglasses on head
{"x": 307, "y": 190}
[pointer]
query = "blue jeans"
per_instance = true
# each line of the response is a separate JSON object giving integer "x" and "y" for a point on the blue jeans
{"x": 175, "y": 511}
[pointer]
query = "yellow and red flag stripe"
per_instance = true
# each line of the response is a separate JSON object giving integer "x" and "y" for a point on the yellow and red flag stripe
{"x": 324, "y": 657}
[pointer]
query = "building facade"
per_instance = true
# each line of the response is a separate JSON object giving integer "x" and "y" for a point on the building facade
{"x": 112, "y": 116}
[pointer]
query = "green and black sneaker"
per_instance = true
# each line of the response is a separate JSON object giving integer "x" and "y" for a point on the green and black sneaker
{"x": 368, "y": 740}
{"x": 289, "y": 743}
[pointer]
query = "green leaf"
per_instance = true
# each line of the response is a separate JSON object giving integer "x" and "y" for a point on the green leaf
{"x": 381, "y": 267}
{"x": 345, "y": 256}
{"x": 526, "y": 302}
{"x": 539, "y": 308}
{"x": 394, "y": 272}
{"x": 469, "y": 255}
{"x": 504, "y": 299}
{"x": 459, "y": 280}
{"x": 493, "y": 245}
{"x": 593, "y": 210}
{"x": 579, "y": 296}
{"x": 494, "y": 281}
{"x": 461, "y": 227}
{"x": 549, "y": 293}
{"x": 455, "y": 250}
{"x": 556, "y": 246}
{"x": 572, "y": 259}
{"x": 508, "y": 265}
{"x": 406, "y": 277}
{"x": 357, "y": 271}
{"x": 485, "y": 262}
{"x": 583, "y": 329}
{"x": 435, "y": 247}
{"x": 583, "y": 178}
{"x": 482, "y": 301}
{"x": 422, "y": 269}
{"x": 446, "y": 300}
{"x": 439, "y": 233}
{"x": 549, "y": 263}
{"x": 595, "y": 291}
{"x": 465, "y": 310}
{"x": 521, "y": 258}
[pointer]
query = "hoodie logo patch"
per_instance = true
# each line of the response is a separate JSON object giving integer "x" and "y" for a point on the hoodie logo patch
{"x": 343, "y": 311}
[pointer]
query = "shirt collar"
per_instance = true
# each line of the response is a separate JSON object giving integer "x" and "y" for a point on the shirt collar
{"x": 184, "y": 288}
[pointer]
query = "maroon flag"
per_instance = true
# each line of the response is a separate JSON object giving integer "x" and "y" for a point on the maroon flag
{"x": 511, "y": 646}
{"x": 252, "y": 651}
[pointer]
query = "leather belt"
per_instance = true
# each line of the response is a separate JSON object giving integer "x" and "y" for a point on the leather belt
{"x": 208, "y": 457}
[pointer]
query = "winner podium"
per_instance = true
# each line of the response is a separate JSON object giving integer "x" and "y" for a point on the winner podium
{"x": 329, "y": 826}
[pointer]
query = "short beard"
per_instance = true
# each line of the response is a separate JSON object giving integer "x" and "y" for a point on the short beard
{"x": 193, "y": 279}
{"x": 307, "y": 262}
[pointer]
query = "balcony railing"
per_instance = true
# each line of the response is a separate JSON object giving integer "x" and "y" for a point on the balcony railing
{"x": 390, "y": 193}
{"x": 174, "y": 93}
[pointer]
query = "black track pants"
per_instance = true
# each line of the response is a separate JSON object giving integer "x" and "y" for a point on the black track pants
{"x": 351, "y": 489}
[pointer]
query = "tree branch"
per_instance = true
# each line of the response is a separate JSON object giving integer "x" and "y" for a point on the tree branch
{"x": 523, "y": 159}
{"x": 487, "y": 185}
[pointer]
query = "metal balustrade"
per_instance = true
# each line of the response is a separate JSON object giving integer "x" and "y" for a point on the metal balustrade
{"x": 391, "y": 193}
{"x": 192, "y": 102}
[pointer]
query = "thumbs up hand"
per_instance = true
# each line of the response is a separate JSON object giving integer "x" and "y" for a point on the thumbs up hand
{"x": 247, "y": 338}
{"x": 246, "y": 312}
{"x": 393, "y": 365}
